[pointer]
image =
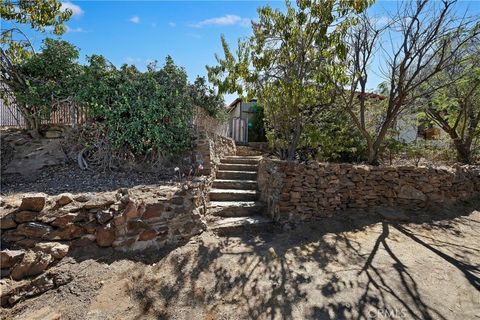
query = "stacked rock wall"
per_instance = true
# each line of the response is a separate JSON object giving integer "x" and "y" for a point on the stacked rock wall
{"x": 210, "y": 148}
{"x": 297, "y": 191}
{"x": 126, "y": 219}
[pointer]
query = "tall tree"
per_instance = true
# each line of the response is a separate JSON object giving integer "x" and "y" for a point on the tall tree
{"x": 456, "y": 107}
{"x": 48, "y": 81}
{"x": 419, "y": 49}
{"x": 286, "y": 65}
{"x": 15, "y": 46}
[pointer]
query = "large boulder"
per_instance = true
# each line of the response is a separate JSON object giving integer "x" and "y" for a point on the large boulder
{"x": 8, "y": 258}
{"x": 32, "y": 264}
{"x": 55, "y": 249}
{"x": 33, "y": 203}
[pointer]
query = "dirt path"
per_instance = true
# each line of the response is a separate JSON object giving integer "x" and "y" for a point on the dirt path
{"x": 336, "y": 269}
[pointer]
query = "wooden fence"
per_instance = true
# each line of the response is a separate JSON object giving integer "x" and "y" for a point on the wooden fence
{"x": 202, "y": 121}
{"x": 68, "y": 114}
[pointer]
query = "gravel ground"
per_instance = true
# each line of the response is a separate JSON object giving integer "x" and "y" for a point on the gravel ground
{"x": 350, "y": 267}
{"x": 70, "y": 178}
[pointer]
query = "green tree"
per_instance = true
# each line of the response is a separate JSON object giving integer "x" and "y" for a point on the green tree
{"x": 144, "y": 112}
{"x": 455, "y": 108}
{"x": 422, "y": 49}
{"x": 49, "y": 80}
{"x": 15, "y": 46}
{"x": 334, "y": 137}
{"x": 256, "y": 130}
{"x": 287, "y": 64}
{"x": 206, "y": 98}
{"x": 38, "y": 14}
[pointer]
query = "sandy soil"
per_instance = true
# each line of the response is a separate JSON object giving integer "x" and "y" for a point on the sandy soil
{"x": 343, "y": 268}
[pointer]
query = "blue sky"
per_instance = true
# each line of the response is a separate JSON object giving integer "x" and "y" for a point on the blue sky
{"x": 136, "y": 32}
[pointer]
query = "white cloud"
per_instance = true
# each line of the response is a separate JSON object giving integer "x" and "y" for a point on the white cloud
{"x": 135, "y": 19}
{"x": 69, "y": 30}
{"x": 76, "y": 10}
{"x": 172, "y": 24}
{"x": 226, "y": 20}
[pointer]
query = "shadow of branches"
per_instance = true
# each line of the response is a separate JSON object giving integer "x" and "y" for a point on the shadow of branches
{"x": 349, "y": 267}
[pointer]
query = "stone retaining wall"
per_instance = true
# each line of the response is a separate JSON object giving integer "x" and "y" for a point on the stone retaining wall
{"x": 38, "y": 230}
{"x": 296, "y": 191}
{"x": 210, "y": 148}
{"x": 126, "y": 219}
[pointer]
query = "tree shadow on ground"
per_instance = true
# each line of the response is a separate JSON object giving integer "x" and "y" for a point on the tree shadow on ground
{"x": 322, "y": 270}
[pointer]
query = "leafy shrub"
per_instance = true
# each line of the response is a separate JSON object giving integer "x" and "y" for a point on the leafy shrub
{"x": 144, "y": 112}
{"x": 334, "y": 138}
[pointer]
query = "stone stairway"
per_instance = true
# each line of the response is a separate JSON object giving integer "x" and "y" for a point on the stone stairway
{"x": 234, "y": 198}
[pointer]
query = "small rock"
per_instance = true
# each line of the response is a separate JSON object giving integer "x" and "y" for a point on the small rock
{"x": 15, "y": 291}
{"x": 55, "y": 249}
{"x": 98, "y": 202}
{"x": 64, "y": 219}
{"x": 69, "y": 232}
{"x": 410, "y": 193}
{"x": 135, "y": 226}
{"x": 25, "y": 216}
{"x": 131, "y": 210}
{"x": 12, "y": 236}
{"x": 9, "y": 257}
{"x": 33, "y": 203}
{"x": 84, "y": 197}
{"x": 33, "y": 263}
{"x": 7, "y": 222}
{"x": 26, "y": 243}
{"x": 64, "y": 199}
{"x": 103, "y": 216}
{"x": 147, "y": 235}
{"x": 105, "y": 235}
{"x": 33, "y": 229}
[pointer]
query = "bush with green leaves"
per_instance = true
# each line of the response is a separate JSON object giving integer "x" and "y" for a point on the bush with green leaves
{"x": 138, "y": 112}
{"x": 334, "y": 138}
{"x": 144, "y": 111}
{"x": 50, "y": 80}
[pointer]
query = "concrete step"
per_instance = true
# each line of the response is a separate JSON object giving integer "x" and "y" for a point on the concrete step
{"x": 233, "y": 195}
{"x": 236, "y": 175}
{"x": 234, "y": 208}
{"x": 238, "y": 167}
{"x": 247, "y": 151}
{"x": 235, "y": 225}
{"x": 241, "y": 159}
{"x": 235, "y": 184}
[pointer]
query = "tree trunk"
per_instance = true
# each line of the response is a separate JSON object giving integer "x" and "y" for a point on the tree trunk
{"x": 464, "y": 153}
{"x": 373, "y": 155}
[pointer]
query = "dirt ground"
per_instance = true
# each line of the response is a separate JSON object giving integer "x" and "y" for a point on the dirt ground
{"x": 342, "y": 268}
